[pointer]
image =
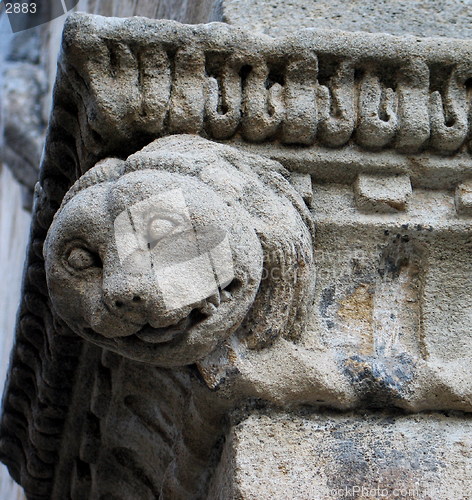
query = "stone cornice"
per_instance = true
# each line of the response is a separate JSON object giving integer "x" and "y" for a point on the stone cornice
{"x": 319, "y": 89}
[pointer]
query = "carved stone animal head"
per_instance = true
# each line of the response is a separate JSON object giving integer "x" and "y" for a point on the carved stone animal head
{"x": 163, "y": 256}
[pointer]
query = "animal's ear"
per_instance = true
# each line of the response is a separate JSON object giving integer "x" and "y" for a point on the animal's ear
{"x": 106, "y": 170}
{"x": 285, "y": 294}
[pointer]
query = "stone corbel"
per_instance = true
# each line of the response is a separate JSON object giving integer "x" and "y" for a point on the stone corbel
{"x": 172, "y": 270}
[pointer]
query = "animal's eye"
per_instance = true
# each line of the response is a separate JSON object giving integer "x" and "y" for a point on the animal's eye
{"x": 80, "y": 258}
{"x": 158, "y": 228}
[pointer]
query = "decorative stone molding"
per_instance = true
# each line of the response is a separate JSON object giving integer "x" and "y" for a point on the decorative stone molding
{"x": 378, "y": 455}
{"x": 377, "y": 91}
{"x": 326, "y": 91}
{"x": 136, "y": 342}
{"x": 382, "y": 193}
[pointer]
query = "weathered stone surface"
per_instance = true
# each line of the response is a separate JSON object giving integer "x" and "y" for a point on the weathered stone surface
{"x": 163, "y": 257}
{"x": 284, "y": 94}
{"x": 464, "y": 198}
{"x": 448, "y": 18}
{"x": 393, "y": 288}
{"x": 377, "y": 193}
{"x": 321, "y": 457}
{"x": 184, "y": 11}
{"x": 137, "y": 432}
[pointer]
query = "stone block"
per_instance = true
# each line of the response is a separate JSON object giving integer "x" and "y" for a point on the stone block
{"x": 463, "y": 198}
{"x": 418, "y": 17}
{"x": 327, "y": 456}
{"x": 181, "y": 280}
{"x": 375, "y": 193}
{"x": 302, "y": 183}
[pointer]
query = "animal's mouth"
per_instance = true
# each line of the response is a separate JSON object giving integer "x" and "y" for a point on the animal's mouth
{"x": 160, "y": 335}
{"x": 171, "y": 334}
{"x": 153, "y": 335}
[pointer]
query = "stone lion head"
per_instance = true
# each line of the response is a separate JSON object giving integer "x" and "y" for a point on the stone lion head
{"x": 162, "y": 257}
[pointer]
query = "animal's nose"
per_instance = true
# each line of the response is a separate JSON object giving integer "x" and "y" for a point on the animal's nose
{"x": 123, "y": 301}
{"x": 139, "y": 300}
{"x": 126, "y": 302}
{"x": 124, "y": 294}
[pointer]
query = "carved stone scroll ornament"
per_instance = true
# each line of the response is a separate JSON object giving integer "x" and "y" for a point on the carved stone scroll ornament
{"x": 341, "y": 96}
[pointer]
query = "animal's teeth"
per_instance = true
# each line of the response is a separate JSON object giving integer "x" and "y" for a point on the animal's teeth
{"x": 214, "y": 299}
{"x": 208, "y": 309}
{"x": 225, "y": 296}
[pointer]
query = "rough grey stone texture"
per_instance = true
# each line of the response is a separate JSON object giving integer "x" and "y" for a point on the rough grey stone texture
{"x": 188, "y": 11}
{"x": 370, "y": 312}
{"x": 29, "y": 77}
{"x": 365, "y": 92}
{"x": 23, "y": 104}
{"x": 327, "y": 456}
{"x": 30, "y": 68}
{"x": 393, "y": 287}
{"x": 382, "y": 193}
{"x": 447, "y": 18}
{"x": 137, "y": 432}
{"x": 464, "y": 198}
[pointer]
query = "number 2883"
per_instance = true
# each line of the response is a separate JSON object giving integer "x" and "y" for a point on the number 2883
{"x": 20, "y": 8}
